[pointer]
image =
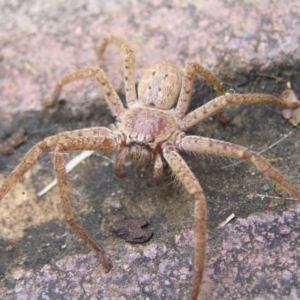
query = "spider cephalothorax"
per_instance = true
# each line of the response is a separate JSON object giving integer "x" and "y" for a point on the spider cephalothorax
{"x": 151, "y": 128}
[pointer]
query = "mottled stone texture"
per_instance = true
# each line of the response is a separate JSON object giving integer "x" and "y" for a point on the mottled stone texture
{"x": 255, "y": 257}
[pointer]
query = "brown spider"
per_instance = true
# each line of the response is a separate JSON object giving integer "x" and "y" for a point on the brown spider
{"x": 151, "y": 128}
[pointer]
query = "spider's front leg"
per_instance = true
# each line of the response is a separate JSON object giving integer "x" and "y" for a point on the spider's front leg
{"x": 210, "y": 146}
{"x": 97, "y": 139}
{"x": 187, "y": 178}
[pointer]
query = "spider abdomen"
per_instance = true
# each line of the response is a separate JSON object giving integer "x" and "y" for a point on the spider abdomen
{"x": 160, "y": 85}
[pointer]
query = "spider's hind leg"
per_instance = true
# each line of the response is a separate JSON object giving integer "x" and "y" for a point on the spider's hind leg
{"x": 188, "y": 82}
{"x": 111, "y": 96}
{"x": 129, "y": 58}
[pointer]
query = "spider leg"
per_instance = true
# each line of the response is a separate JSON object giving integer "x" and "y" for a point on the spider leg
{"x": 188, "y": 83}
{"x": 217, "y": 104}
{"x": 187, "y": 178}
{"x": 158, "y": 166}
{"x": 95, "y": 138}
{"x": 119, "y": 162}
{"x": 26, "y": 163}
{"x": 211, "y": 146}
{"x": 129, "y": 59}
{"x": 111, "y": 96}
{"x": 100, "y": 139}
